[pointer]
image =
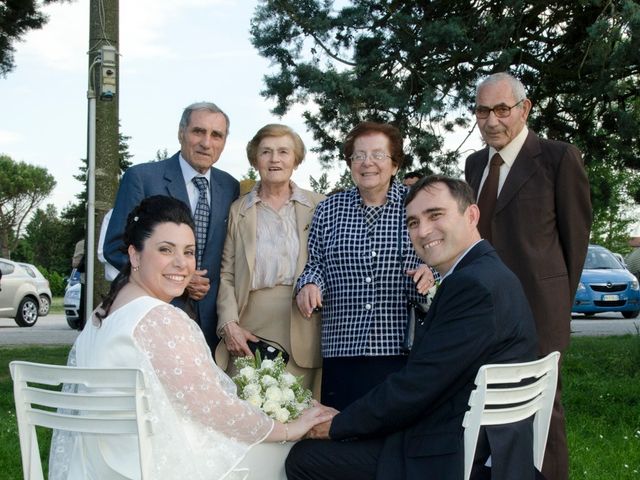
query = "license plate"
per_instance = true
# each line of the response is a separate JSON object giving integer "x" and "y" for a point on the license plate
{"x": 610, "y": 298}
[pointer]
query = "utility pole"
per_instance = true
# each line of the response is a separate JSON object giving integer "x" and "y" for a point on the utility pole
{"x": 103, "y": 139}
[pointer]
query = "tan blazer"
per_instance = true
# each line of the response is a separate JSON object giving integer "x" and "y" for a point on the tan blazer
{"x": 238, "y": 261}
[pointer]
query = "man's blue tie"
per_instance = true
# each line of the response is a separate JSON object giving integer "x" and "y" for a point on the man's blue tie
{"x": 201, "y": 217}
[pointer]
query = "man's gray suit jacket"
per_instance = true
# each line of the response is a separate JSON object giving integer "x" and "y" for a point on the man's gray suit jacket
{"x": 165, "y": 178}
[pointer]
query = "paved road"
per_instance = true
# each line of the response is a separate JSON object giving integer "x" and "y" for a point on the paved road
{"x": 49, "y": 330}
{"x": 53, "y": 329}
{"x": 604, "y": 324}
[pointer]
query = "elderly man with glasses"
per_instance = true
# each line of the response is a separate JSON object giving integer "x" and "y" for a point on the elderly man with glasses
{"x": 535, "y": 209}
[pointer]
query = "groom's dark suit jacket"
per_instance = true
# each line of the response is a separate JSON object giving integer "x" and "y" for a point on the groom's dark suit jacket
{"x": 479, "y": 315}
{"x": 165, "y": 178}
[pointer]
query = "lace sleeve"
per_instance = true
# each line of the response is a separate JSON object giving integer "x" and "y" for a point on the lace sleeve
{"x": 198, "y": 390}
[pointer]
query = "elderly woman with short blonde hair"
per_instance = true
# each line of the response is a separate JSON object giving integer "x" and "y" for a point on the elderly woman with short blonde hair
{"x": 265, "y": 251}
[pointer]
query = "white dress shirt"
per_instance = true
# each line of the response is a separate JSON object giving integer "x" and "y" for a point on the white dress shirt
{"x": 508, "y": 154}
{"x": 189, "y": 173}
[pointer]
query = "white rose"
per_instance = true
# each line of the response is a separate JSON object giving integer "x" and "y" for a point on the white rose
{"x": 287, "y": 379}
{"x": 248, "y": 372}
{"x": 282, "y": 415}
{"x": 273, "y": 393}
{"x": 268, "y": 380}
{"x": 266, "y": 364}
{"x": 251, "y": 390}
{"x": 288, "y": 395}
{"x": 270, "y": 406}
{"x": 255, "y": 400}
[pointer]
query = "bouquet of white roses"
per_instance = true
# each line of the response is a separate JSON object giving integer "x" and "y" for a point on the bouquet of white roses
{"x": 267, "y": 385}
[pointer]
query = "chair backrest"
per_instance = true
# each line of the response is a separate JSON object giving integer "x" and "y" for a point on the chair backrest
{"x": 499, "y": 399}
{"x": 113, "y": 403}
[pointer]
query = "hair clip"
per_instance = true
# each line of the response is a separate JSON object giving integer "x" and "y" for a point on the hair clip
{"x": 135, "y": 219}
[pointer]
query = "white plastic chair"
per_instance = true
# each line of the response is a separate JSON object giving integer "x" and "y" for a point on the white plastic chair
{"x": 120, "y": 411}
{"x": 488, "y": 402}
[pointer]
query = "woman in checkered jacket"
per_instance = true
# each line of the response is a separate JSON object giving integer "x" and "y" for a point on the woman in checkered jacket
{"x": 362, "y": 269}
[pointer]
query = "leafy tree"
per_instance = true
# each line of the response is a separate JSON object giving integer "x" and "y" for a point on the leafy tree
{"x": 345, "y": 181}
{"x": 75, "y": 214}
{"x": 160, "y": 154}
{"x": 22, "y": 188}
{"x": 123, "y": 160}
{"x": 57, "y": 281}
{"x": 47, "y": 241}
{"x": 415, "y": 64}
{"x": 124, "y": 155}
{"x": 251, "y": 175}
{"x": 16, "y": 19}
{"x": 321, "y": 185}
{"x": 611, "y": 196}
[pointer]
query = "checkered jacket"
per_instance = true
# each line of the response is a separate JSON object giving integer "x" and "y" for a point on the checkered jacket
{"x": 364, "y": 287}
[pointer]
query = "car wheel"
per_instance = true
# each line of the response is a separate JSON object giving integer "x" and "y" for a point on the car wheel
{"x": 27, "y": 315}
{"x": 45, "y": 305}
{"x": 73, "y": 323}
{"x": 632, "y": 314}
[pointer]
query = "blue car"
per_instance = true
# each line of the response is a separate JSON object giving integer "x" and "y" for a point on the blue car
{"x": 606, "y": 286}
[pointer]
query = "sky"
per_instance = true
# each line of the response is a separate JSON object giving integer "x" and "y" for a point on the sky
{"x": 171, "y": 55}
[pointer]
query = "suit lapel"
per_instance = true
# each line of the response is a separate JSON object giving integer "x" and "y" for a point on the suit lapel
{"x": 477, "y": 168}
{"x": 247, "y": 229}
{"x": 174, "y": 180}
{"x": 524, "y": 166}
{"x": 217, "y": 198}
{"x": 481, "y": 248}
{"x": 302, "y": 214}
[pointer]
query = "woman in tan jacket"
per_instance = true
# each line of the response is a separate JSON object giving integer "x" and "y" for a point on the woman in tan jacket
{"x": 265, "y": 250}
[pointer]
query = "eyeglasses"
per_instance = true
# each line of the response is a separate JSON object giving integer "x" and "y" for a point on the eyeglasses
{"x": 376, "y": 156}
{"x": 501, "y": 111}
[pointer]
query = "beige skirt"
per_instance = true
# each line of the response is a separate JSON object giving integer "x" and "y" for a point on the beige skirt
{"x": 268, "y": 315}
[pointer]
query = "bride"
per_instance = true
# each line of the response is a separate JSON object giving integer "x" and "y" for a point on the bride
{"x": 202, "y": 430}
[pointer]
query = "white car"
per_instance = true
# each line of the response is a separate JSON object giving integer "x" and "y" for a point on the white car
{"x": 19, "y": 296}
{"x": 42, "y": 284}
{"x": 72, "y": 305}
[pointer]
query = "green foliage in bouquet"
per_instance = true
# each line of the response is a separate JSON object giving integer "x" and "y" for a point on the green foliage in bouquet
{"x": 267, "y": 385}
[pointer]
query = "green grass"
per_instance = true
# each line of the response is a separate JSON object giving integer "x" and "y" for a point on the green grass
{"x": 601, "y": 397}
{"x": 10, "y": 464}
{"x": 602, "y": 403}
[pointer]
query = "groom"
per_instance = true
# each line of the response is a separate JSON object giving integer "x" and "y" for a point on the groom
{"x": 410, "y": 426}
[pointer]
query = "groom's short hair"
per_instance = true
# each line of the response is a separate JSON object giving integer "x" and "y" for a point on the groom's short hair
{"x": 460, "y": 190}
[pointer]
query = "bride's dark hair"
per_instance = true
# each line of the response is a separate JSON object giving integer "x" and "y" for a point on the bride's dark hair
{"x": 141, "y": 223}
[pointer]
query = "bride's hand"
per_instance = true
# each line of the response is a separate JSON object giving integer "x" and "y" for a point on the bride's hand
{"x": 311, "y": 417}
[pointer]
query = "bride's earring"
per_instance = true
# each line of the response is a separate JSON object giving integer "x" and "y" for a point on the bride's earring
{"x": 136, "y": 268}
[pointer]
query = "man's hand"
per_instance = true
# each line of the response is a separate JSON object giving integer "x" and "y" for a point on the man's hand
{"x": 423, "y": 278}
{"x": 235, "y": 339}
{"x": 320, "y": 431}
{"x": 199, "y": 285}
{"x": 309, "y": 297}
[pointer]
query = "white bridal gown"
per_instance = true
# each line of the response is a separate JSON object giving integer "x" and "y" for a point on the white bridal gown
{"x": 201, "y": 429}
